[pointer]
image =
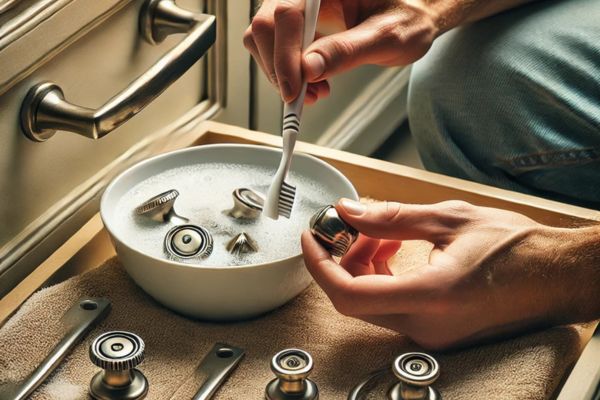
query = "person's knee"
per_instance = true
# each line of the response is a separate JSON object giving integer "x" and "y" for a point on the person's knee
{"x": 442, "y": 99}
{"x": 493, "y": 94}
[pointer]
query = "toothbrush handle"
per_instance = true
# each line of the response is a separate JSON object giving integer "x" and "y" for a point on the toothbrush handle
{"x": 311, "y": 14}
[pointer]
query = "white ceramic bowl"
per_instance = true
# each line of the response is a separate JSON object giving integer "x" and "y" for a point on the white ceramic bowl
{"x": 216, "y": 293}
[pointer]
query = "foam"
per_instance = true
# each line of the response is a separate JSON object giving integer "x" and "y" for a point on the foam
{"x": 205, "y": 192}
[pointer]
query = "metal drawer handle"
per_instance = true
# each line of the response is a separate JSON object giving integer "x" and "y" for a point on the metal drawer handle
{"x": 45, "y": 110}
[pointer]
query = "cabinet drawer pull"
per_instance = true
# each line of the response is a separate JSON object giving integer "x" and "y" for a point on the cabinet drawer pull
{"x": 45, "y": 110}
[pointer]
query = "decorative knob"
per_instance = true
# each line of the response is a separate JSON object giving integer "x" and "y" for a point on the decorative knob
{"x": 160, "y": 208}
{"x": 118, "y": 353}
{"x": 242, "y": 244}
{"x": 416, "y": 372}
{"x": 292, "y": 367}
{"x": 187, "y": 241}
{"x": 247, "y": 204}
{"x": 334, "y": 234}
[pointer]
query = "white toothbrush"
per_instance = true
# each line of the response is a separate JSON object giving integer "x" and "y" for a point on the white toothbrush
{"x": 281, "y": 195}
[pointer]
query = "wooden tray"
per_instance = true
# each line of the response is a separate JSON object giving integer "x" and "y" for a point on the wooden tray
{"x": 372, "y": 178}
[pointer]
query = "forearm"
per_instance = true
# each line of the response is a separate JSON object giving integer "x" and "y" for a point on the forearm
{"x": 449, "y": 14}
{"x": 576, "y": 258}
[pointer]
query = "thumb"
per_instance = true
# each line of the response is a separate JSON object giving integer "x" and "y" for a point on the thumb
{"x": 435, "y": 223}
{"x": 335, "y": 53}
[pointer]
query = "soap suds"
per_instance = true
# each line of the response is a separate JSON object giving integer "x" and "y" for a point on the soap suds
{"x": 205, "y": 193}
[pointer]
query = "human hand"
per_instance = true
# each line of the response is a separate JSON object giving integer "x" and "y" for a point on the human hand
{"x": 381, "y": 32}
{"x": 491, "y": 272}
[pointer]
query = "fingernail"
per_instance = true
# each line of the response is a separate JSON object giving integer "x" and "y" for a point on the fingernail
{"x": 316, "y": 65}
{"x": 286, "y": 89}
{"x": 353, "y": 207}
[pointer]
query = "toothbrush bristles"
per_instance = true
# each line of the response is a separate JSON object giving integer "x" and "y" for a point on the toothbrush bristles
{"x": 286, "y": 199}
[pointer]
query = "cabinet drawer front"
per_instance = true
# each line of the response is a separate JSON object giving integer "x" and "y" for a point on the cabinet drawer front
{"x": 41, "y": 184}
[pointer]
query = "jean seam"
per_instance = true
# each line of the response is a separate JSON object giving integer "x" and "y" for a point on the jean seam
{"x": 559, "y": 158}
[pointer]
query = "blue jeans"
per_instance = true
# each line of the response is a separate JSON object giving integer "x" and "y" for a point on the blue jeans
{"x": 514, "y": 101}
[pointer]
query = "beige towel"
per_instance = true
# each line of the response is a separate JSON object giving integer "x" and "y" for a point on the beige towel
{"x": 344, "y": 349}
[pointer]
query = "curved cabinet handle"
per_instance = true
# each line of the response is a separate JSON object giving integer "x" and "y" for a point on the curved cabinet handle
{"x": 45, "y": 110}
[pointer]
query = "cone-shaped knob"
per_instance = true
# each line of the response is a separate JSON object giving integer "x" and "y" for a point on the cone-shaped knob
{"x": 242, "y": 244}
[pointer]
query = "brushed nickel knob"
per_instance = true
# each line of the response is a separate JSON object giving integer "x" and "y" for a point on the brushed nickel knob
{"x": 118, "y": 353}
{"x": 334, "y": 234}
{"x": 241, "y": 244}
{"x": 160, "y": 208}
{"x": 416, "y": 372}
{"x": 292, "y": 367}
{"x": 247, "y": 204}
{"x": 187, "y": 241}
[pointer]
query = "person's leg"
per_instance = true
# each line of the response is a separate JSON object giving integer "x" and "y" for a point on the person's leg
{"x": 514, "y": 101}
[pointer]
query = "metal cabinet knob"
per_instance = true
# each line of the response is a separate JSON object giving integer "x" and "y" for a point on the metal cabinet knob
{"x": 416, "y": 372}
{"x": 45, "y": 110}
{"x": 187, "y": 241}
{"x": 118, "y": 353}
{"x": 334, "y": 234}
{"x": 247, "y": 204}
{"x": 242, "y": 244}
{"x": 292, "y": 367}
{"x": 161, "y": 208}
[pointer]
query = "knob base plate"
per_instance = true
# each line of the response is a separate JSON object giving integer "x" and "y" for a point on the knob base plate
{"x": 137, "y": 389}
{"x": 429, "y": 393}
{"x": 274, "y": 392}
{"x": 29, "y": 111}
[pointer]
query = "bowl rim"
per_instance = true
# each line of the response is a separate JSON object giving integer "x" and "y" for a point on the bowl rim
{"x": 168, "y": 154}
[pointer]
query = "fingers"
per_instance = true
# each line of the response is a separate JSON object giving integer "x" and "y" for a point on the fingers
{"x": 274, "y": 39}
{"x": 380, "y": 35}
{"x": 253, "y": 49}
{"x": 366, "y": 294}
{"x": 289, "y": 28}
{"x": 332, "y": 54}
{"x": 262, "y": 34}
{"x": 369, "y": 256}
{"x": 436, "y": 223}
{"x": 317, "y": 259}
{"x": 384, "y": 35}
{"x": 358, "y": 259}
{"x": 387, "y": 249}
{"x": 381, "y": 268}
{"x": 316, "y": 91}
{"x": 311, "y": 97}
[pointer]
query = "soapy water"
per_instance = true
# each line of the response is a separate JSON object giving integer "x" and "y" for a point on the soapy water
{"x": 205, "y": 194}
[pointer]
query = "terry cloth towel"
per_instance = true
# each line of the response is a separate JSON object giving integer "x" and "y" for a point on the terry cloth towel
{"x": 344, "y": 349}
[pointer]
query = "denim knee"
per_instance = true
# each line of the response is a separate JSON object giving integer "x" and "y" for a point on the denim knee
{"x": 514, "y": 101}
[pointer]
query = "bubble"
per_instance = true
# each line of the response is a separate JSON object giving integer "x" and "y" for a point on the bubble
{"x": 205, "y": 192}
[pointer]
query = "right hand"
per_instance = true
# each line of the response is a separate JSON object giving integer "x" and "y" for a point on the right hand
{"x": 381, "y": 32}
{"x": 491, "y": 272}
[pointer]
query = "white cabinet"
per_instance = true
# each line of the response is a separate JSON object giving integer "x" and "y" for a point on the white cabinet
{"x": 93, "y": 50}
